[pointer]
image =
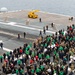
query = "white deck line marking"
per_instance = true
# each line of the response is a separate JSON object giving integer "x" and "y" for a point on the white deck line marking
{"x": 6, "y": 49}
{"x": 55, "y": 14}
{"x": 26, "y": 27}
{"x": 14, "y": 35}
{"x": 8, "y": 33}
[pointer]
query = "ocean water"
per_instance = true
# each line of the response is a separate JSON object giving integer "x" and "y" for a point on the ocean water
{"x": 66, "y": 7}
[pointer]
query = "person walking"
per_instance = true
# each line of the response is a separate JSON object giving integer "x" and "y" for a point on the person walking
{"x": 24, "y": 34}
{"x": 46, "y": 27}
{"x": 39, "y": 19}
{"x": 1, "y": 44}
{"x": 18, "y": 36}
{"x": 1, "y": 58}
{"x": 27, "y": 22}
{"x": 52, "y": 25}
{"x": 40, "y": 33}
{"x": 44, "y": 30}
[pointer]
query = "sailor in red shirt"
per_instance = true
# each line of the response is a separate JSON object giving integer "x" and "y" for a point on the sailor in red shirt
{"x": 31, "y": 61}
{"x": 36, "y": 57}
{"x": 57, "y": 45}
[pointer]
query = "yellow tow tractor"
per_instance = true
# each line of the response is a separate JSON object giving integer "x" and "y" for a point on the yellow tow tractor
{"x": 32, "y": 14}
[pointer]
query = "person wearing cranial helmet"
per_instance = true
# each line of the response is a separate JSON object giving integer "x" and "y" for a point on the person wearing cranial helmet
{"x": 1, "y": 44}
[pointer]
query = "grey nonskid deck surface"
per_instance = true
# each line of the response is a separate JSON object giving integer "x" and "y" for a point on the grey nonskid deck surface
{"x": 16, "y": 23}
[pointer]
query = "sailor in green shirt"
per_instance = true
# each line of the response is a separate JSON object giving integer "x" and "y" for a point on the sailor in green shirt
{"x": 42, "y": 67}
{"x": 21, "y": 71}
{"x": 17, "y": 71}
{"x": 57, "y": 55}
{"x": 61, "y": 73}
{"x": 48, "y": 39}
{"x": 73, "y": 26}
{"x": 67, "y": 38}
{"x": 53, "y": 41}
{"x": 54, "y": 71}
{"x": 27, "y": 52}
{"x": 47, "y": 56}
{"x": 33, "y": 54}
{"x": 62, "y": 33}
{"x": 32, "y": 71}
{"x": 29, "y": 46}
{"x": 19, "y": 62}
{"x": 55, "y": 52}
{"x": 45, "y": 45}
{"x": 40, "y": 55}
{"x": 38, "y": 70}
{"x": 71, "y": 39}
{"x": 8, "y": 53}
{"x": 26, "y": 48}
{"x": 60, "y": 48}
{"x": 1, "y": 58}
{"x": 43, "y": 55}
